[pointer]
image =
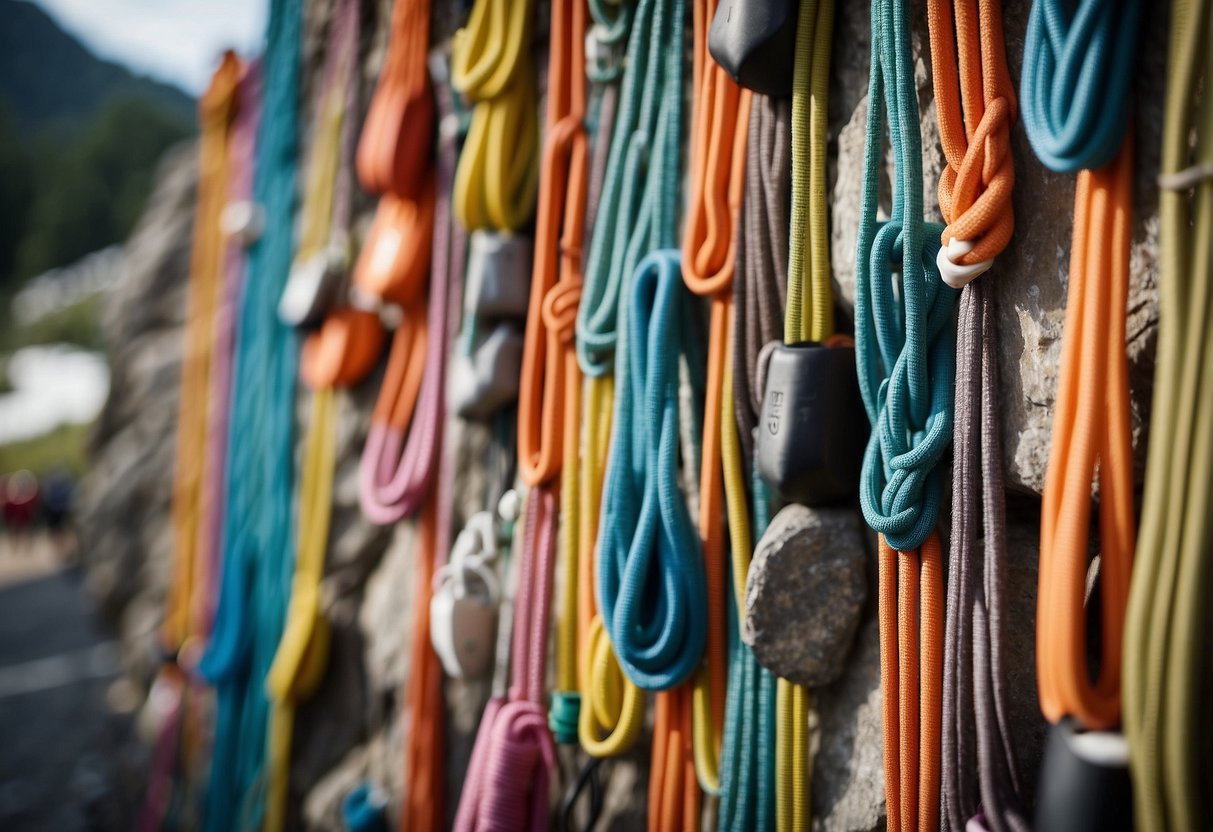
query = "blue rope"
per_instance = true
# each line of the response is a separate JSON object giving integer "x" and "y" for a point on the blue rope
{"x": 257, "y": 537}
{"x": 652, "y": 590}
{"x": 747, "y": 774}
{"x": 905, "y": 330}
{"x": 1076, "y": 74}
{"x": 638, "y": 211}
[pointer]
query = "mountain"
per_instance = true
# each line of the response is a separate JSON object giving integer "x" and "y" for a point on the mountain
{"x": 50, "y": 84}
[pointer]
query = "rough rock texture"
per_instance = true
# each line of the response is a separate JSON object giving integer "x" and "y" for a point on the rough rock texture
{"x": 1031, "y": 275}
{"x": 351, "y": 730}
{"x": 806, "y": 589}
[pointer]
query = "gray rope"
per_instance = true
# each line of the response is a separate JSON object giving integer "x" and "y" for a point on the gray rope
{"x": 980, "y": 773}
{"x": 762, "y": 255}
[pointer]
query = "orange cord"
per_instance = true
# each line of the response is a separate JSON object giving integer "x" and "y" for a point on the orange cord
{"x": 975, "y": 104}
{"x": 674, "y": 801}
{"x": 424, "y": 761}
{"x": 548, "y": 402}
{"x": 911, "y": 682}
{"x": 1090, "y": 431}
{"x": 393, "y": 152}
{"x": 720, "y": 121}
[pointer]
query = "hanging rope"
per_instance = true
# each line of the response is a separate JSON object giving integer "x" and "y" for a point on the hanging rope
{"x": 975, "y": 104}
{"x": 720, "y": 125}
{"x": 1075, "y": 88}
{"x": 260, "y": 469}
{"x": 424, "y": 713}
{"x": 187, "y": 612}
{"x": 1166, "y": 647}
{"x": 638, "y": 210}
{"x": 549, "y": 403}
{"x": 514, "y": 758}
{"x": 612, "y": 707}
{"x": 1091, "y": 421}
{"x": 498, "y": 174}
{"x": 302, "y": 653}
{"x": 904, "y": 350}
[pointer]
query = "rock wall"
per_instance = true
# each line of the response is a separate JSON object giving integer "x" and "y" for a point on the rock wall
{"x": 351, "y": 729}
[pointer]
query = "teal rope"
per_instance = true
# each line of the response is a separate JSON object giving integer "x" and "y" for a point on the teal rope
{"x": 747, "y": 776}
{"x": 1076, "y": 74}
{"x": 652, "y": 589}
{"x": 904, "y": 338}
{"x": 258, "y": 534}
{"x": 638, "y": 211}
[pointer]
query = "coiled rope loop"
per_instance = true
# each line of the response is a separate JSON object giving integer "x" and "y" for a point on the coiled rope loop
{"x": 638, "y": 211}
{"x": 903, "y": 339}
{"x": 651, "y": 583}
{"x": 1076, "y": 76}
{"x": 498, "y": 173}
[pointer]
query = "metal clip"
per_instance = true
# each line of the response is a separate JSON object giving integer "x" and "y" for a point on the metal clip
{"x": 755, "y": 42}
{"x": 467, "y": 596}
{"x": 244, "y": 220}
{"x": 314, "y": 286}
{"x": 487, "y": 380}
{"x": 498, "y": 274}
{"x": 813, "y": 429}
{"x": 1084, "y": 784}
{"x": 605, "y": 53}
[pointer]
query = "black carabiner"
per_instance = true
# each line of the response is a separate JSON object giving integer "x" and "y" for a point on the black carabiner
{"x": 588, "y": 776}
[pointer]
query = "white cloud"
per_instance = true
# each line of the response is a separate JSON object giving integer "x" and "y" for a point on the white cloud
{"x": 179, "y": 41}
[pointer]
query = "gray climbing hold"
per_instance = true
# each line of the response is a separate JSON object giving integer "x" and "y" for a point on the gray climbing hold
{"x": 805, "y": 593}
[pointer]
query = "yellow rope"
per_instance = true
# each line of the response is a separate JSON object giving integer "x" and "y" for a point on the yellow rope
{"x": 497, "y": 179}
{"x": 216, "y": 111}
{"x": 612, "y": 707}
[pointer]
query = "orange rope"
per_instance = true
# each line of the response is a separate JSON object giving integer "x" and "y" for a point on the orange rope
{"x": 720, "y": 121}
{"x": 424, "y": 761}
{"x": 911, "y": 682}
{"x": 674, "y": 800}
{"x": 1090, "y": 432}
{"x": 975, "y": 104}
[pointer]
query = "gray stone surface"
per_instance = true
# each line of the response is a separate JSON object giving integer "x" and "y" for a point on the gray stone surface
{"x": 805, "y": 592}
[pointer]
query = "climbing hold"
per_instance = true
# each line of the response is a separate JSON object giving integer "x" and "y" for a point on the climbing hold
{"x": 754, "y": 41}
{"x": 805, "y": 593}
{"x": 812, "y": 430}
{"x": 498, "y": 274}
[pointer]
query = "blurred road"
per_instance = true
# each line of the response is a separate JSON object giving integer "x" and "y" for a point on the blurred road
{"x": 65, "y": 756}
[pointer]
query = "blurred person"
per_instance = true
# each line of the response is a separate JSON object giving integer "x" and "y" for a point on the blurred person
{"x": 58, "y": 489}
{"x": 20, "y": 506}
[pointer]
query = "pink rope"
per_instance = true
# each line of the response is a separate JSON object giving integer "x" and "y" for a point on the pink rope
{"x": 394, "y": 485}
{"x": 508, "y": 780}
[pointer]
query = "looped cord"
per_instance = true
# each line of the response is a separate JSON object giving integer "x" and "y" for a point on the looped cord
{"x": 1076, "y": 77}
{"x": 638, "y": 211}
{"x": 514, "y": 758}
{"x": 260, "y": 456}
{"x": 1166, "y": 714}
{"x": 975, "y": 104}
{"x": 904, "y": 343}
{"x": 1091, "y": 432}
{"x": 651, "y": 585}
{"x": 498, "y": 173}
{"x": 400, "y": 459}
{"x": 397, "y": 134}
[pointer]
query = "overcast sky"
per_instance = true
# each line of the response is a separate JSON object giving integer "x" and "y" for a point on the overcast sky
{"x": 179, "y": 41}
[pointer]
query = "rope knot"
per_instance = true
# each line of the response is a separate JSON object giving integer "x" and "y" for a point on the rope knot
{"x": 560, "y": 309}
{"x": 975, "y": 197}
